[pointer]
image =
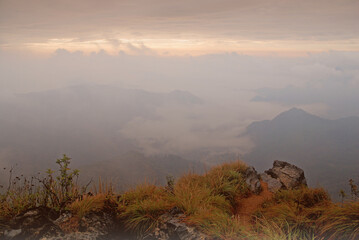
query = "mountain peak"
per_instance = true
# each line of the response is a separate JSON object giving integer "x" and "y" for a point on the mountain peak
{"x": 295, "y": 114}
{"x": 184, "y": 97}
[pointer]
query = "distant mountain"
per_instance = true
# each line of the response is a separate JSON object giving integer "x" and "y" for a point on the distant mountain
{"x": 83, "y": 121}
{"x": 183, "y": 97}
{"x": 327, "y": 150}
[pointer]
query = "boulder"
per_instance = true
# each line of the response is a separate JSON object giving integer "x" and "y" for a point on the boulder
{"x": 283, "y": 175}
{"x": 253, "y": 180}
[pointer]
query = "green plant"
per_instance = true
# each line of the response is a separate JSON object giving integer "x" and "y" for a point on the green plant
{"x": 66, "y": 177}
{"x": 64, "y": 188}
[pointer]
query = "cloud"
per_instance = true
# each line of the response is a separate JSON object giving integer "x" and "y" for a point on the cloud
{"x": 181, "y": 129}
{"x": 279, "y": 25}
{"x": 331, "y": 79}
{"x": 232, "y": 80}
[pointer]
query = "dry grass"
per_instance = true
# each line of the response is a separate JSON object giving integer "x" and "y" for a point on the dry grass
{"x": 81, "y": 207}
{"x": 21, "y": 195}
{"x": 341, "y": 223}
{"x": 210, "y": 202}
{"x": 295, "y": 211}
{"x": 272, "y": 230}
{"x": 207, "y": 200}
{"x": 193, "y": 195}
{"x": 142, "y": 206}
{"x": 226, "y": 227}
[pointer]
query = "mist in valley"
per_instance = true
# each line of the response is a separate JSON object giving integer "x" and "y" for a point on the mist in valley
{"x": 129, "y": 112}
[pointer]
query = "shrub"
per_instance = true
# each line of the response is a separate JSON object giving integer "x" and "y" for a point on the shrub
{"x": 63, "y": 189}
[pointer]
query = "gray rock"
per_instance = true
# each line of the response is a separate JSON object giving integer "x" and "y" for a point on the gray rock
{"x": 32, "y": 224}
{"x": 284, "y": 175}
{"x": 253, "y": 180}
{"x": 12, "y": 233}
{"x": 39, "y": 223}
{"x": 171, "y": 227}
{"x": 94, "y": 225}
{"x": 273, "y": 183}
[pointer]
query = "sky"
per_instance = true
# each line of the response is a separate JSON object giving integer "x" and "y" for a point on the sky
{"x": 246, "y": 60}
{"x": 96, "y": 78}
{"x": 168, "y": 27}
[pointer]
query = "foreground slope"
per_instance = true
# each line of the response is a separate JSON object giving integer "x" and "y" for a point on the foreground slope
{"x": 230, "y": 201}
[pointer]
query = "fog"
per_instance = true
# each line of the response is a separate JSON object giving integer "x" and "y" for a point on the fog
{"x": 96, "y": 107}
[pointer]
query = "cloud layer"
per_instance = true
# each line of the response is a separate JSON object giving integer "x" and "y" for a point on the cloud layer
{"x": 176, "y": 25}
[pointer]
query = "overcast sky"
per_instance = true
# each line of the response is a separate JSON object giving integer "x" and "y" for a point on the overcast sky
{"x": 180, "y": 27}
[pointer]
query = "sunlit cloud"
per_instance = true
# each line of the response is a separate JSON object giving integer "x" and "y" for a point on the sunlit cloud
{"x": 180, "y": 27}
{"x": 162, "y": 46}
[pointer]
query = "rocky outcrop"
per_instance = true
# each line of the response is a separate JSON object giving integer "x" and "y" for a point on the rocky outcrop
{"x": 32, "y": 224}
{"x": 283, "y": 175}
{"x": 43, "y": 223}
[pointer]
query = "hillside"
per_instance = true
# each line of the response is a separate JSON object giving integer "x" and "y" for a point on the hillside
{"x": 85, "y": 121}
{"x": 326, "y": 149}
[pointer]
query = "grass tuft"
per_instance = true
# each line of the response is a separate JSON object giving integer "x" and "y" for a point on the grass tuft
{"x": 341, "y": 223}
{"x": 81, "y": 207}
{"x": 141, "y": 207}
